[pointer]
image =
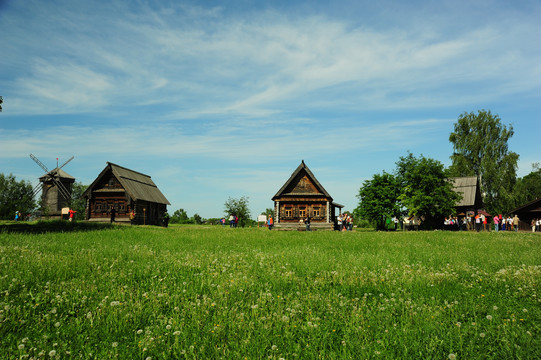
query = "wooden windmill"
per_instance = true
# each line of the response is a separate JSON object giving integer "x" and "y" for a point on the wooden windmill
{"x": 56, "y": 186}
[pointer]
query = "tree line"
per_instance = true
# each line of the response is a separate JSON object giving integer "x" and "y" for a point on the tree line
{"x": 418, "y": 186}
{"x": 421, "y": 186}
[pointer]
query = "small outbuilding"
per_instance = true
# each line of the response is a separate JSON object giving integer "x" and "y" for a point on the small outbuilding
{"x": 527, "y": 212}
{"x": 301, "y": 196}
{"x": 125, "y": 190}
{"x": 469, "y": 188}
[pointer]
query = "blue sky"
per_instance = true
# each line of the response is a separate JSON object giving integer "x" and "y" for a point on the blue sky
{"x": 218, "y": 99}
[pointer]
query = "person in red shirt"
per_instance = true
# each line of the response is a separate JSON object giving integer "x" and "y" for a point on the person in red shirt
{"x": 71, "y": 213}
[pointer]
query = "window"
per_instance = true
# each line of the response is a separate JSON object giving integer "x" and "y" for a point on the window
{"x": 302, "y": 213}
{"x": 289, "y": 213}
{"x": 316, "y": 211}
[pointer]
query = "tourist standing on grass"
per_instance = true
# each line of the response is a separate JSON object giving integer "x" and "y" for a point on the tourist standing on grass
{"x": 496, "y": 223}
{"x": 307, "y": 222}
{"x": 17, "y": 215}
{"x": 132, "y": 217}
{"x": 533, "y": 225}
{"x": 515, "y": 222}
{"x": 231, "y": 220}
{"x": 71, "y": 213}
{"x": 165, "y": 219}
{"x": 509, "y": 223}
{"x": 478, "y": 222}
{"x": 113, "y": 214}
{"x": 339, "y": 222}
{"x": 270, "y": 222}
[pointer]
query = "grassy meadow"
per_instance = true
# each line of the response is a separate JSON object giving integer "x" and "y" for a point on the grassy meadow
{"x": 195, "y": 292}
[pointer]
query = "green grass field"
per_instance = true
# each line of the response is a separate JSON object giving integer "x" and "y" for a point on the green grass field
{"x": 86, "y": 292}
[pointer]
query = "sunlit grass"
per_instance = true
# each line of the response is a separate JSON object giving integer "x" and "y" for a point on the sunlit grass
{"x": 213, "y": 292}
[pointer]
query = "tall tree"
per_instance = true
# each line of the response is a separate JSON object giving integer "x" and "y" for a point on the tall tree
{"x": 425, "y": 189}
{"x": 480, "y": 149}
{"x": 378, "y": 199}
{"x": 238, "y": 207}
{"x": 15, "y": 196}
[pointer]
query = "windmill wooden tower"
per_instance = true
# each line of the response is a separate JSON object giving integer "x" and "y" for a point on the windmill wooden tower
{"x": 56, "y": 186}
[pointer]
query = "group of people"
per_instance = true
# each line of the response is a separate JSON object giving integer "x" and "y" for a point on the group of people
{"x": 482, "y": 222}
{"x": 233, "y": 221}
{"x": 344, "y": 222}
{"x": 506, "y": 224}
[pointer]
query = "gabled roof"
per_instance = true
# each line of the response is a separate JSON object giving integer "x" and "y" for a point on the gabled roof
{"x": 138, "y": 186}
{"x": 57, "y": 172}
{"x": 469, "y": 188}
{"x": 532, "y": 206}
{"x": 302, "y": 168}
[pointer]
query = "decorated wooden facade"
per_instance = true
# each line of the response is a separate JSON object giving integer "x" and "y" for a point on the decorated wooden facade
{"x": 125, "y": 190}
{"x": 301, "y": 196}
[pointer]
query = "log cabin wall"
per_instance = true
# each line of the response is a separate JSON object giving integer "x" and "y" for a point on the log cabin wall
{"x": 107, "y": 193}
{"x": 292, "y": 210}
{"x": 125, "y": 190}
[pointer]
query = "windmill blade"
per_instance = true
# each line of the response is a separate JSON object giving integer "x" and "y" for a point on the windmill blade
{"x": 41, "y": 165}
{"x": 35, "y": 190}
{"x": 64, "y": 164}
{"x": 63, "y": 191}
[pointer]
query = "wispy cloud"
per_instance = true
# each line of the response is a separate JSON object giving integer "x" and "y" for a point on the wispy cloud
{"x": 198, "y": 62}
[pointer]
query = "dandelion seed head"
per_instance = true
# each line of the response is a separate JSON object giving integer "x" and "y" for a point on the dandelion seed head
{"x": 52, "y": 353}
{"x": 115, "y": 344}
{"x": 452, "y": 356}
{"x": 482, "y": 335}
{"x": 489, "y": 317}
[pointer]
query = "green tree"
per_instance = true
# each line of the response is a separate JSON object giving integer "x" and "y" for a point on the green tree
{"x": 78, "y": 202}
{"x": 179, "y": 217}
{"x": 378, "y": 199}
{"x": 15, "y": 195}
{"x": 268, "y": 212}
{"x": 238, "y": 207}
{"x": 196, "y": 218}
{"x": 528, "y": 188}
{"x": 480, "y": 149}
{"x": 425, "y": 189}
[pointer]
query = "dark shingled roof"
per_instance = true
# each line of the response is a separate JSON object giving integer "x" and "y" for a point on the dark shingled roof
{"x": 138, "y": 186}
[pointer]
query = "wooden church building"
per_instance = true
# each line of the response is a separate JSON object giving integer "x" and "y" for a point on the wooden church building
{"x": 301, "y": 196}
{"x": 125, "y": 190}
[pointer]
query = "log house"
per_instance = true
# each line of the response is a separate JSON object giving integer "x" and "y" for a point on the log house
{"x": 125, "y": 190}
{"x": 302, "y": 195}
